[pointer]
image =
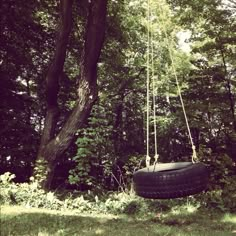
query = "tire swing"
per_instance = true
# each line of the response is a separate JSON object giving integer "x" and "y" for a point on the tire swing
{"x": 170, "y": 180}
{"x": 167, "y": 180}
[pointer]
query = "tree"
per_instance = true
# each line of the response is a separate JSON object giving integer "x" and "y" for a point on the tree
{"x": 213, "y": 41}
{"x": 53, "y": 144}
{"x": 20, "y": 68}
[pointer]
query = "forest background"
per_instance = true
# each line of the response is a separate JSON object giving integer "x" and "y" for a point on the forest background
{"x": 73, "y": 89}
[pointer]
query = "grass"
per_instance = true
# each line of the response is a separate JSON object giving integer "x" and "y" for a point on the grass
{"x": 18, "y": 221}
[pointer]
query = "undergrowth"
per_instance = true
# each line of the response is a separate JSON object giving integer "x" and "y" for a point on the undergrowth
{"x": 31, "y": 195}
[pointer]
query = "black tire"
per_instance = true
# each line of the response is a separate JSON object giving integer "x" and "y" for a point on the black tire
{"x": 170, "y": 180}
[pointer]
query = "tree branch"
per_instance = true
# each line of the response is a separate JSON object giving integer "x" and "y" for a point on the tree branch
{"x": 55, "y": 70}
{"x": 87, "y": 88}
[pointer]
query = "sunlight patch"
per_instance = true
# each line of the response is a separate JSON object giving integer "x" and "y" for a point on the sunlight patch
{"x": 229, "y": 218}
{"x": 184, "y": 209}
{"x": 99, "y": 231}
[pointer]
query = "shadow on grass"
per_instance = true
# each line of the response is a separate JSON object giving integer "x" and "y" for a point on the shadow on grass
{"x": 40, "y": 223}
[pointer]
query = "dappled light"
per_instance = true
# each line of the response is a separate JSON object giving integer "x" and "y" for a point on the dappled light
{"x": 229, "y": 218}
{"x": 188, "y": 209}
{"x": 43, "y": 222}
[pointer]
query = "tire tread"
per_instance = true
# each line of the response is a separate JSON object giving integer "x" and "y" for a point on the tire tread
{"x": 172, "y": 183}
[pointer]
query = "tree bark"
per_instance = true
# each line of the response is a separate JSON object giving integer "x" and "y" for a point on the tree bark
{"x": 53, "y": 146}
{"x": 52, "y": 87}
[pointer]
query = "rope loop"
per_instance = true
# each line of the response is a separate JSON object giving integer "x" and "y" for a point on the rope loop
{"x": 148, "y": 159}
{"x": 194, "y": 155}
{"x": 156, "y": 157}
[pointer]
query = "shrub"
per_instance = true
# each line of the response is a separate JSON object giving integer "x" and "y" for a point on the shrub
{"x": 6, "y": 195}
{"x": 222, "y": 184}
{"x": 27, "y": 194}
{"x": 31, "y": 195}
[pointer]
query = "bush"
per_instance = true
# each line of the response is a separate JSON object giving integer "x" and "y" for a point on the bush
{"x": 222, "y": 199}
{"x": 31, "y": 195}
{"x": 221, "y": 192}
{"x": 6, "y": 196}
{"x": 27, "y": 194}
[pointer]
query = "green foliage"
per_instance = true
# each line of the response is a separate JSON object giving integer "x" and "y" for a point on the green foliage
{"x": 40, "y": 170}
{"x": 94, "y": 158}
{"x": 30, "y": 195}
{"x": 5, "y": 181}
{"x": 222, "y": 185}
{"x": 25, "y": 194}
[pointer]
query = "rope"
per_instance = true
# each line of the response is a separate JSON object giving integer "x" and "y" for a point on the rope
{"x": 148, "y": 158}
{"x": 156, "y": 156}
{"x": 194, "y": 154}
{"x": 150, "y": 44}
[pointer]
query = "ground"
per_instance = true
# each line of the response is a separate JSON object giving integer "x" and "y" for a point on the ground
{"x": 18, "y": 221}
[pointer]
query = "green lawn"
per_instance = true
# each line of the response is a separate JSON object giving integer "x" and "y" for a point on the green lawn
{"x": 23, "y": 221}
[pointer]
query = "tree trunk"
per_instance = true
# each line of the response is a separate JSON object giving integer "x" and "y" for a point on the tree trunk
{"x": 53, "y": 146}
